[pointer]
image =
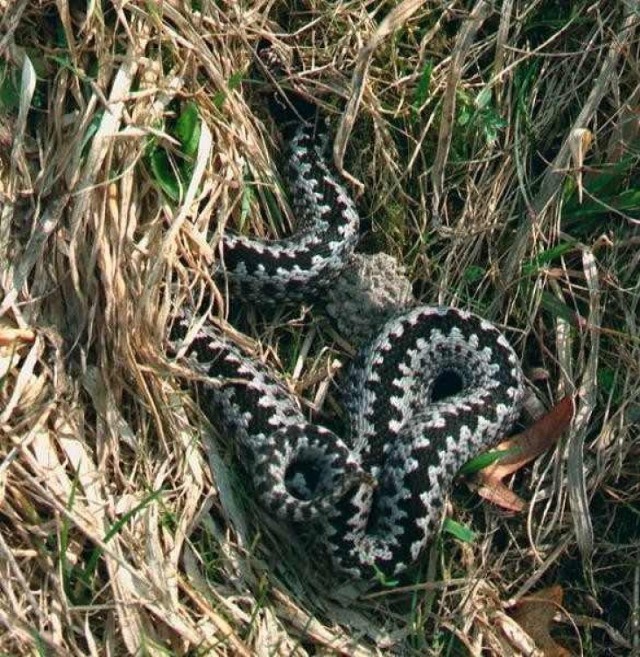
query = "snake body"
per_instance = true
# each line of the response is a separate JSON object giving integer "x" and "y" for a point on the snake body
{"x": 298, "y": 267}
{"x": 376, "y": 495}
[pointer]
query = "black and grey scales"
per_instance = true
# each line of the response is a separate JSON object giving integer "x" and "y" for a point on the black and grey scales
{"x": 298, "y": 267}
{"x": 377, "y": 494}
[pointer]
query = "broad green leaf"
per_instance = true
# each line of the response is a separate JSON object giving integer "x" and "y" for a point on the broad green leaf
{"x": 188, "y": 129}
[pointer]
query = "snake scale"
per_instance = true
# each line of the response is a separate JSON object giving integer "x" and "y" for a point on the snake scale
{"x": 376, "y": 496}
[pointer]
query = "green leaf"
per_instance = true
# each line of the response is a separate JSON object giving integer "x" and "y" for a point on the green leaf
{"x": 484, "y": 460}
{"x": 558, "y": 308}
{"x": 174, "y": 171}
{"x": 188, "y": 129}
{"x": 464, "y": 116}
{"x": 473, "y": 274}
{"x": 9, "y": 91}
{"x": 483, "y": 99}
{"x": 218, "y": 98}
{"x": 492, "y": 128}
{"x": 91, "y": 130}
{"x": 461, "y": 532}
{"x": 547, "y": 256}
{"x": 606, "y": 379}
{"x": 234, "y": 82}
{"x": 628, "y": 201}
{"x": 165, "y": 173}
{"x": 245, "y": 205}
{"x": 382, "y": 579}
{"x": 422, "y": 89}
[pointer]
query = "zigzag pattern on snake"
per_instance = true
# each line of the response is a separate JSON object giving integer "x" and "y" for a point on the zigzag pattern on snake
{"x": 377, "y": 494}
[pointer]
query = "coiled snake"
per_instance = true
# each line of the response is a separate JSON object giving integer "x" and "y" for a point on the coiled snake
{"x": 377, "y": 495}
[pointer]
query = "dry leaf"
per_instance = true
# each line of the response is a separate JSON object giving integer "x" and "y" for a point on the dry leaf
{"x": 521, "y": 449}
{"x": 535, "y": 614}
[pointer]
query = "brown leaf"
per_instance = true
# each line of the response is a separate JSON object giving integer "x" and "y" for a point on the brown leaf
{"x": 521, "y": 449}
{"x": 535, "y": 614}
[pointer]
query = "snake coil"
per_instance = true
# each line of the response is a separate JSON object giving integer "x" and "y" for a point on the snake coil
{"x": 377, "y": 494}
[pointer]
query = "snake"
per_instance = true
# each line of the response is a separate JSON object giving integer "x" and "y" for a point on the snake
{"x": 435, "y": 387}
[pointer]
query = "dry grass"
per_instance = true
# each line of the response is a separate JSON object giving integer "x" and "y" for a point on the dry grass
{"x": 126, "y": 527}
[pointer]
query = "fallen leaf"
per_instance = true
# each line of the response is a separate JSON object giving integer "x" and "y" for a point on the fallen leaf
{"x": 535, "y": 613}
{"x": 519, "y": 450}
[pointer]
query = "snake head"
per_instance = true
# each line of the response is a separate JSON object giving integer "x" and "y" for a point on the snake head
{"x": 312, "y": 471}
{"x": 277, "y": 65}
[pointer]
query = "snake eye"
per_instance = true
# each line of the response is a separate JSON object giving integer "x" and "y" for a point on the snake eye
{"x": 447, "y": 384}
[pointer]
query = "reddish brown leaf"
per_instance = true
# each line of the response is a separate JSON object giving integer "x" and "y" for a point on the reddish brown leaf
{"x": 521, "y": 449}
{"x": 535, "y": 614}
{"x": 500, "y": 495}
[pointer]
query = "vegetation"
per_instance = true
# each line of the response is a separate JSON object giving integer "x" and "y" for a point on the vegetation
{"x": 496, "y": 148}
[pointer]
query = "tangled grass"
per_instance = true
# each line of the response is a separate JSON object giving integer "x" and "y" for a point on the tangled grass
{"x": 494, "y": 150}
